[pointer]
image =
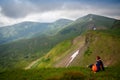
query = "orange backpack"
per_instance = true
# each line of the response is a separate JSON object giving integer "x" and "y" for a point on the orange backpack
{"x": 94, "y": 68}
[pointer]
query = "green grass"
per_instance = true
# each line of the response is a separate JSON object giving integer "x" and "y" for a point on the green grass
{"x": 105, "y": 43}
{"x": 53, "y": 55}
{"x": 59, "y": 52}
{"x": 71, "y": 73}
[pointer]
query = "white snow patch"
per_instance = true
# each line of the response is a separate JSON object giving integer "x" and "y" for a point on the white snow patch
{"x": 72, "y": 57}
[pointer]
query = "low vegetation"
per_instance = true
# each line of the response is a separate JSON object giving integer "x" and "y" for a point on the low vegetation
{"x": 71, "y": 73}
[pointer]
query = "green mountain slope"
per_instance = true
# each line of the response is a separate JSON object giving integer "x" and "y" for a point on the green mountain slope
{"x": 116, "y": 24}
{"x": 30, "y": 29}
{"x": 100, "y": 22}
{"x": 62, "y": 51}
{"x": 20, "y": 53}
{"x": 87, "y": 23}
{"x": 105, "y": 43}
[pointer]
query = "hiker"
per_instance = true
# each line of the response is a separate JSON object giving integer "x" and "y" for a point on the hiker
{"x": 98, "y": 66}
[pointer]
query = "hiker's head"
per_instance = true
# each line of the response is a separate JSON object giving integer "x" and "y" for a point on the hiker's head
{"x": 98, "y": 57}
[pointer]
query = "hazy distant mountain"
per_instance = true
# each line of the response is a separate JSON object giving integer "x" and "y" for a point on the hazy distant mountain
{"x": 58, "y": 25}
{"x": 30, "y": 29}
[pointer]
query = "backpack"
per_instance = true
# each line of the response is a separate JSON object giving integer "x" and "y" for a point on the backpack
{"x": 94, "y": 68}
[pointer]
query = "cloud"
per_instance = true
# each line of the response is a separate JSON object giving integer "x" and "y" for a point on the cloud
{"x": 22, "y": 8}
{"x": 14, "y": 11}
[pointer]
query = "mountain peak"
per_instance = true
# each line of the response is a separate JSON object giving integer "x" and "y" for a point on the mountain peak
{"x": 87, "y": 17}
{"x": 91, "y": 17}
{"x": 90, "y": 14}
{"x": 63, "y": 20}
{"x": 94, "y": 14}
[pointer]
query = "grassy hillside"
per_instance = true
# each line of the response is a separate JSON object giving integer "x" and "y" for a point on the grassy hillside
{"x": 20, "y": 53}
{"x": 100, "y": 22}
{"x": 54, "y": 54}
{"x": 74, "y": 73}
{"x": 105, "y": 43}
{"x": 87, "y": 23}
{"x": 60, "y": 51}
{"x": 116, "y": 24}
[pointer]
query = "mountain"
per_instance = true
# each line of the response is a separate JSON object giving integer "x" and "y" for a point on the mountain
{"x": 104, "y": 40}
{"x": 30, "y": 29}
{"x": 116, "y": 24}
{"x": 21, "y": 30}
{"x": 57, "y": 56}
{"x": 22, "y": 52}
{"x": 62, "y": 22}
{"x": 58, "y": 25}
{"x": 73, "y": 47}
{"x": 87, "y": 23}
{"x": 105, "y": 43}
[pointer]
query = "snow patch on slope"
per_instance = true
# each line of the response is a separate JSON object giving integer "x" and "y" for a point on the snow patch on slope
{"x": 72, "y": 57}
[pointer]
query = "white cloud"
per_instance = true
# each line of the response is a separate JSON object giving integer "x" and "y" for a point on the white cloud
{"x": 51, "y": 16}
{"x": 29, "y": 10}
{"x": 5, "y": 20}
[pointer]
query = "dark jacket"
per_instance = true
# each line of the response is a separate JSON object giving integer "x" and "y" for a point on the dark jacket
{"x": 100, "y": 65}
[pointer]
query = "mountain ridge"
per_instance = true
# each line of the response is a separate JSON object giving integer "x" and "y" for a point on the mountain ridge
{"x": 90, "y": 45}
{"x": 30, "y": 29}
{"x": 22, "y": 52}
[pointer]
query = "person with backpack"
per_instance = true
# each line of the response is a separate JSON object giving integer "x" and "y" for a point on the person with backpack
{"x": 98, "y": 66}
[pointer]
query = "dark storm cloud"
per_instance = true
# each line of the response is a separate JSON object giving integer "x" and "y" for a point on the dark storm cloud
{"x": 22, "y": 8}
{"x": 15, "y": 9}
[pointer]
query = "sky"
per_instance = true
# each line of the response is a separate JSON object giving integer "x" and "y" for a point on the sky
{"x": 16, "y": 11}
